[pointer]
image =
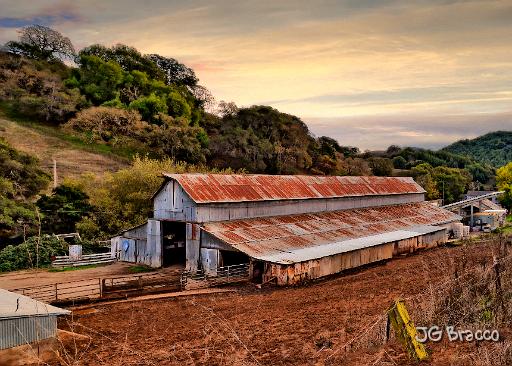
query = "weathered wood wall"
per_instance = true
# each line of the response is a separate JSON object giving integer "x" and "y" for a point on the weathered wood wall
{"x": 299, "y": 272}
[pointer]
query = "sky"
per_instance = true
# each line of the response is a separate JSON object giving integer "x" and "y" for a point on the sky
{"x": 367, "y": 73}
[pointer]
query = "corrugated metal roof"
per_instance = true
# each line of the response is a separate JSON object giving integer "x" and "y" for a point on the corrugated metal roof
{"x": 324, "y": 250}
{"x": 207, "y": 188}
{"x": 285, "y": 239}
{"x": 14, "y": 305}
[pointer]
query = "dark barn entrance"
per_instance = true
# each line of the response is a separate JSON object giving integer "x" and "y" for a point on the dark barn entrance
{"x": 173, "y": 243}
{"x": 231, "y": 258}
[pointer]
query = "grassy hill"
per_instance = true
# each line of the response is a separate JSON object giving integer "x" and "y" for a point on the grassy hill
{"x": 494, "y": 148}
{"x": 48, "y": 143}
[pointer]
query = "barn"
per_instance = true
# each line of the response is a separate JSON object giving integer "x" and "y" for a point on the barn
{"x": 287, "y": 228}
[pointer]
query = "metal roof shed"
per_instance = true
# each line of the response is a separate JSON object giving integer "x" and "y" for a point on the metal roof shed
{"x": 24, "y": 320}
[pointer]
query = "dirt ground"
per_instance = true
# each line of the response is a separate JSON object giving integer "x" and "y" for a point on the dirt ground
{"x": 31, "y": 278}
{"x": 305, "y": 325}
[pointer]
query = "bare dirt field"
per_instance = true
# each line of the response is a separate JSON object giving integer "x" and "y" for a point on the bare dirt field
{"x": 306, "y": 325}
{"x": 71, "y": 161}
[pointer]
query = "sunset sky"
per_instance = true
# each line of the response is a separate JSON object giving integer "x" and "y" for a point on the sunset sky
{"x": 368, "y": 73}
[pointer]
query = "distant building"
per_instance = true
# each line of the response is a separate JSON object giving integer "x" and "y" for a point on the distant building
{"x": 24, "y": 320}
{"x": 472, "y": 194}
{"x": 479, "y": 209}
{"x": 291, "y": 228}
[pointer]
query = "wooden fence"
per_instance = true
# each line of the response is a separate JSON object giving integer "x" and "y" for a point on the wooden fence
{"x": 122, "y": 286}
{"x": 102, "y": 288}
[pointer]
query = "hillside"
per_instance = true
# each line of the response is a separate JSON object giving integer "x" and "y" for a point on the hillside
{"x": 72, "y": 160}
{"x": 494, "y": 148}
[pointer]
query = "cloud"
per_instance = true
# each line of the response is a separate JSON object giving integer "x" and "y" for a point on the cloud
{"x": 418, "y": 71}
{"x": 428, "y": 131}
{"x": 46, "y": 20}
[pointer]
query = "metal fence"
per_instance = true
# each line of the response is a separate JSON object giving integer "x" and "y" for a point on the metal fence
{"x": 87, "y": 259}
{"x": 223, "y": 275}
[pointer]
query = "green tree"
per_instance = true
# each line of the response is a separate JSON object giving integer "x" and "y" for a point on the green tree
{"x": 504, "y": 183}
{"x": 98, "y": 80}
{"x": 20, "y": 180}
{"x": 175, "y": 72}
{"x": 149, "y": 107}
{"x": 128, "y": 58}
{"x": 63, "y": 209}
{"x": 262, "y": 139}
{"x": 422, "y": 174}
{"x": 453, "y": 181}
{"x": 29, "y": 253}
{"x": 381, "y": 166}
{"x": 399, "y": 162}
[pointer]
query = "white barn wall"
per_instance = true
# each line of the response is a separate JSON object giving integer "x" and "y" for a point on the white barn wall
{"x": 172, "y": 203}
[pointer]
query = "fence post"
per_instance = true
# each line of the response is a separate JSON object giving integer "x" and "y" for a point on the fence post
{"x": 56, "y": 292}
{"x": 405, "y": 330}
{"x": 100, "y": 284}
{"x": 499, "y": 290}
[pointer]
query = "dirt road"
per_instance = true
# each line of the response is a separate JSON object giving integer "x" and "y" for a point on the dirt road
{"x": 277, "y": 326}
{"x": 31, "y": 278}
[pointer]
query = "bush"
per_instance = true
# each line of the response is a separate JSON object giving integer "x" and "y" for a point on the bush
{"x": 106, "y": 124}
{"x": 23, "y": 256}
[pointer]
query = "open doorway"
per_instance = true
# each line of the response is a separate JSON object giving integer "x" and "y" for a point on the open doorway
{"x": 231, "y": 258}
{"x": 257, "y": 269}
{"x": 173, "y": 243}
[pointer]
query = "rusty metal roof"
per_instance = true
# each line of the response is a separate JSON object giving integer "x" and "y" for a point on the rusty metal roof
{"x": 209, "y": 188}
{"x": 280, "y": 239}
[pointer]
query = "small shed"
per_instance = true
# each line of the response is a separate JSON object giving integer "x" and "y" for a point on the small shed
{"x": 24, "y": 320}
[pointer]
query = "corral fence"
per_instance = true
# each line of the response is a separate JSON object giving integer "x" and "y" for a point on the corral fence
{"x": 123, "y": 286}
{"x": 64, "y": 291}
{"x": 148, "y": 283}
{"x": 102, "y": 288}
{"x": 223, "y": 275}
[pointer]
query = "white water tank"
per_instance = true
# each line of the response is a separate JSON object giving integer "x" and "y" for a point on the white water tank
{"x": 458, "y": 230}
{"x": 465, "y": 231}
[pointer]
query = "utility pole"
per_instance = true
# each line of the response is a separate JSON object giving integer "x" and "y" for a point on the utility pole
{"x": 443, "y": 192}
{"x": 54, "y": 173}
{"x": 38, "y": 237}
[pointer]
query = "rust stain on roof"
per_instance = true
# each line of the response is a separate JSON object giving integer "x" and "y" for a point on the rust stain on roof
{"x": 208, "y": 188}
{"x": 284, "y": 234}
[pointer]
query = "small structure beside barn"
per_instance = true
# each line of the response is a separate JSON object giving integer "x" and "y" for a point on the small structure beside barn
{"x": 24, "y": 320}
{"x": 480, "y": 210}
{"x": 289, "y": 228}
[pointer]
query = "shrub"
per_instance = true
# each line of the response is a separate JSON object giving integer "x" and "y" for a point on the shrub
{"x": 106, "y": 124}
{"x": 23, "y": 256}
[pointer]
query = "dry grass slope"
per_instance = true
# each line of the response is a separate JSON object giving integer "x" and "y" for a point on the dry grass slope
{"x": 72, "y": 161}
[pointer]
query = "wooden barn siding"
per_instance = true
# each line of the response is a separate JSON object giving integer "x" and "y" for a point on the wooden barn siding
{"x": 172, "y": 203}
{"x": 139, "y": 251}
{"x": 420, "y": 242}
{"x": 299, "y": 272}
